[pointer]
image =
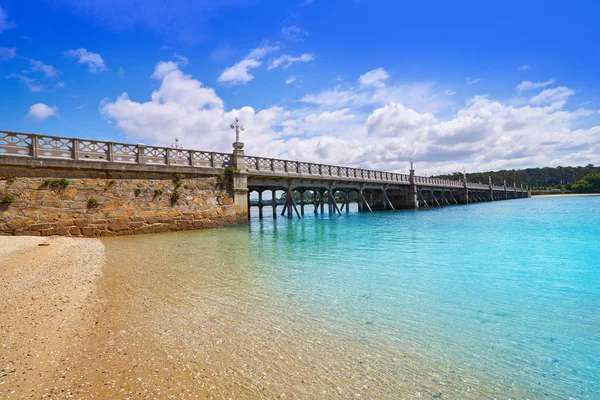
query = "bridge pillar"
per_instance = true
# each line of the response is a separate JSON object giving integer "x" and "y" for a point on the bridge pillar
{"x": 465, "y": 193}
{"x": 413, "y": 199}
{"x": 260, "y": 204}
{"x": 240, "y": 182}
{"x": 274, "y": 202}
{"x": 322, "y": 200}
{"x": 491, "y": 188}
{"x": 302, "y": 202}
{"x": 315, "y": 201}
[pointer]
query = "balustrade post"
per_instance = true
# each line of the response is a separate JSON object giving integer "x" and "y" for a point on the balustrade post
{"x": 110, "y": 156}
{"x": 141, "y": 154}
{"x": 34, "y": 145}
{"x": 212, "y": 160}
{"x": 168, "y": 156}
{"x": 75, "y": 143}
{"x": 272, "y": 165}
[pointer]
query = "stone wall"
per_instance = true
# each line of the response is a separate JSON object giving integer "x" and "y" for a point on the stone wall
{"x": 80, "y": 202}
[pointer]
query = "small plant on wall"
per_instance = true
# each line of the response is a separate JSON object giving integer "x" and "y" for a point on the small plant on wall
{"x": 7, "y": 199}
{"x": 110, "y": 184}
{"x": 137, "y": 192}
{"x": 157, "y": 193}
{"x": 175, "y": 197}
{"x": 92, "y": 203}
{"x": 59, "y": 183}
{"x": 225, "y": 179}
{"x": 10, "y": 180}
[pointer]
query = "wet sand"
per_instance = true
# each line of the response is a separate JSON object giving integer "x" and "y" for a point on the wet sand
{"x": 48, "y": 302}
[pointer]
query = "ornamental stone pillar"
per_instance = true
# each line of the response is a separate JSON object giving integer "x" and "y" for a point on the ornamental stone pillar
{"x": 240, "y": 182}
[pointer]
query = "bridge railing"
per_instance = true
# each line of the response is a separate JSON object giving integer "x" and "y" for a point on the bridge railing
{"x": 55, "y": 147}
{"x": 275, "y": 166}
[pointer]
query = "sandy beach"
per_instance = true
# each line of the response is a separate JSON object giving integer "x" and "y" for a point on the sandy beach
{"x": 48, "y": 301}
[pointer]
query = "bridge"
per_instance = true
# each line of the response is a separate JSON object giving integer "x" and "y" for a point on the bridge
{"x": 302, "y": 182}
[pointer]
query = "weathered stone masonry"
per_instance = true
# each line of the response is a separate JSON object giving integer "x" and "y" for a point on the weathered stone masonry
{"x": 124, "y": 202}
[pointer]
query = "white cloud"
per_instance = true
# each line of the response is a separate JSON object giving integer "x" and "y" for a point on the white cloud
{"x": 529, "y": 85}
{"x": 371, "y": 129}
{"x": 41, "y": 111}
{"x": 121, "y": 73}
{"x": 48, "y": 70}
{"x": 396, "y": 120}
{"x": 238, "y": 73}
{"x": 293, "y": 33}
{"x": 375, "y": 77}
{"x": 330, "y": 116}
{"x": 6, "y": 53}
{"x": 548, "y": 96}
{"x": 289, "y": 80}
{"x": 59, "y": 85}
{"x": 94, "y": 61}
{"x": 524, "y": 68}
{"x": 472, "y": 81}
{"x": 286, "y": 60}
{"x": 30, "y": 83}
{"x": 5, "y": 23}
{"x": 449, "y": 92}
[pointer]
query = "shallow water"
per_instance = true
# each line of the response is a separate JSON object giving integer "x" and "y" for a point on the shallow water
{"x": 493, "y": 300}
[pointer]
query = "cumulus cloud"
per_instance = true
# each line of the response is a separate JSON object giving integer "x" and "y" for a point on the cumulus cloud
{"x": 6, "y": 53}
{"x": 238, "y": 73}
{"x": 529, "y": 85}
{"x": 5, "y": 23}
{"x": 41, "y": 111}
{"x": 94, "y": 61}
{"x": 370, "y": 129}
{"x": 375, "y": 77}
{"x": 286, "y": 61}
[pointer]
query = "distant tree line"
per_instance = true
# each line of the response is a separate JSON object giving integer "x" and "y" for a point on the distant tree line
{"x": 581, "y": 179}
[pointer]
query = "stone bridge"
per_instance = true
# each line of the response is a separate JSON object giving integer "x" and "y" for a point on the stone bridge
{"x": 302, "y": 182}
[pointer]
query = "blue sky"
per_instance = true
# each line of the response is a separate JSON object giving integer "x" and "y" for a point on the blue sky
{"x": 455, "y": 85}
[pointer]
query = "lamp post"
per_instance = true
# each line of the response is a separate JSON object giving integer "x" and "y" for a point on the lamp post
{"x": 238, "y": 127}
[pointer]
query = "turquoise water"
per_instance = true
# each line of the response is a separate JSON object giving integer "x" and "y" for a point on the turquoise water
{"x": 492, "y": 300}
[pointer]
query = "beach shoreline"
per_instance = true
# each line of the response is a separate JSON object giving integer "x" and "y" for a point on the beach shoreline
{"x": 565, "y": 195}
{"x": 48, "y": 304}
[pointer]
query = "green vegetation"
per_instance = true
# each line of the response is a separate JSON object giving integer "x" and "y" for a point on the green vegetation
{"x": 225, "y": 180}
{"x": 175, "y": 197}
{"x": 137, "y": 192}
{"x": 178, "y": 184}
{"x": 111, "y": 182}
{"x": 10, "y": 180}
{"x": 59, "y": 183}
{"x": 177, "y": 177}
{"x": 588, "y": 184}
{"x": 8, "y": 199}
{"x": 92, "y": 203}
{"x": 157, "y": 192}
{"x": 546, "y": 178}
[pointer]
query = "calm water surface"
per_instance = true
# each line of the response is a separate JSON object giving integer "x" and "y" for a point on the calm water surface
{"x": 494, "y": 300}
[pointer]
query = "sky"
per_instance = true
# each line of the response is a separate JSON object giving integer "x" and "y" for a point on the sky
{"x": 465, "y": 85}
